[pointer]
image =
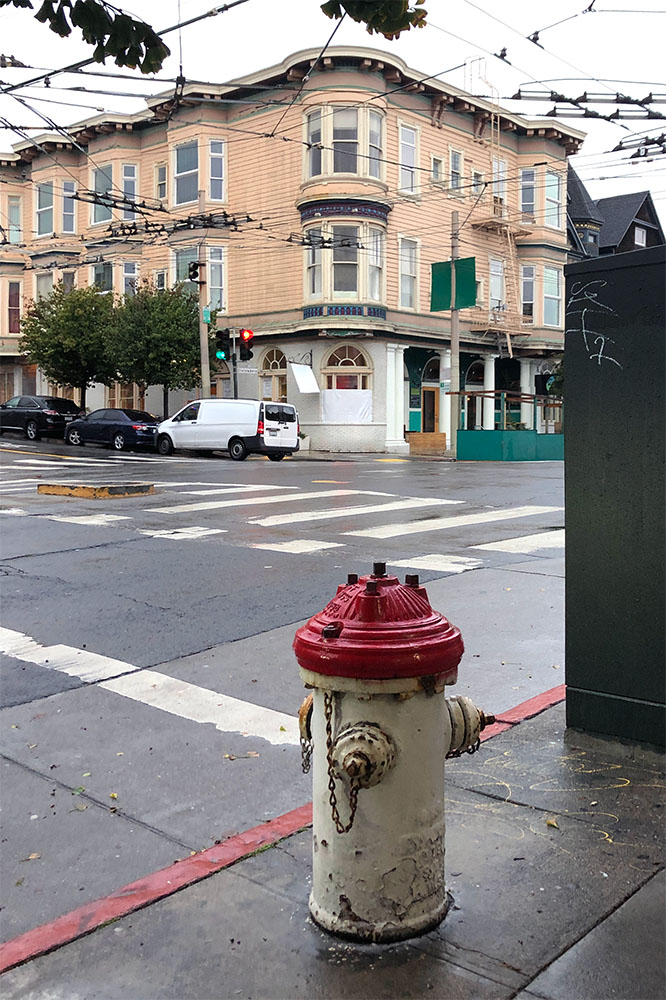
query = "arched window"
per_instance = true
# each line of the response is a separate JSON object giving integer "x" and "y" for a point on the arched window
{"x": 347, "y": 368}
{"x": 221, "y": 381}
{"x": 431, "y": 370}
{"x": 273, "y": 376}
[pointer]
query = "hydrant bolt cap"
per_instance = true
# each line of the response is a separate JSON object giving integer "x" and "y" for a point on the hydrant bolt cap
{"x": 380, "y": 629}
{"x": 379, "y": 569}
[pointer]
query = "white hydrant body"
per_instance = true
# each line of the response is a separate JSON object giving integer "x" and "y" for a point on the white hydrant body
{"x": 377, "y": 659}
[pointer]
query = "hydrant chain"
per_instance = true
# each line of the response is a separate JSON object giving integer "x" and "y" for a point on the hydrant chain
{"x": 354, "y": 783}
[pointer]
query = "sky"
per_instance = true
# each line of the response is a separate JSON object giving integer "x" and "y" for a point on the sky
{"x": 617, "y": 45}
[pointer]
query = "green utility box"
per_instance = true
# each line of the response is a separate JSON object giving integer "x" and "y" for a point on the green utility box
{"x": 615, "y": 445}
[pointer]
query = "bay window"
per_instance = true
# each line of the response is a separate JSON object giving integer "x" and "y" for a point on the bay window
{"x": 313, "y": 264}
{"x": 375, "y": 125}
{"x": 68, "y": 207}
{"x": 455, "y": 173}
{"x": 527, "y": 193}
{"x": 182, "y": 260}
{"x": 44, "y": 285}
{"x": 345, "y": 140}
{"x": 407, "y": 159}
{"x": 408, "y": 258}
{"x": 129, "y": 188}
{"x": 375, "y": 264}
{"x": 216, "y": 277}
{"x": 161, "y": 182}
{"x": 14, "y": 307}
{"x": 102, "y": 184}
{"x": 345, "y": 260}
{"x": 553, "y": 212}
{"x": 552, "y": 296}
{"x": 216, "y": 170}
{"x": 314, "y": 139}
{"x": 103, "y": 277}
{"x": 527, "y": 292}
{"x": 130, "y": 275}
{"x": 45, "y": 208}
{"x": 186, "y": 173}
{"x": 14, "y": 218}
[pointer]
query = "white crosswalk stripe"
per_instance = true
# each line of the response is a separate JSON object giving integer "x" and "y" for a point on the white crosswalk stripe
{"x": 527, "y": 543}
{"x": 247, "y": 501}
{"x": 440, "y": 523}
{"x": 326, "y": 515}
{"x": 439, "y": 563}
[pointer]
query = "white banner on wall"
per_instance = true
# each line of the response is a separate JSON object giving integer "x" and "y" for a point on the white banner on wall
{"x": 346, "y": 406}
{"x": 305, "y": 377}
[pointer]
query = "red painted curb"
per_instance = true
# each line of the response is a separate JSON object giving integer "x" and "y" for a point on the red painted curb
{"x": 148, "y": 890}
{"x": 166, "y": 881}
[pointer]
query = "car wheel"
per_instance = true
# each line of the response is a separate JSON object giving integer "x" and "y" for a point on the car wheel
{"x": 237, "y": 450}
{"x": 164, "y": 445}
{"x": 118, "y": 441}
{"x": 73, "y": 437}
{"x": 275, "y": 458}
{"x": 32, "y": 430}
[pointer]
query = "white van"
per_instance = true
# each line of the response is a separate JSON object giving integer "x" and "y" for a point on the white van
{"x": 239, "y": 426}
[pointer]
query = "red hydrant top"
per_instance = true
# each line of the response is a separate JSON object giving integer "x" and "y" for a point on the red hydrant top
{"x": 377, "y": 628}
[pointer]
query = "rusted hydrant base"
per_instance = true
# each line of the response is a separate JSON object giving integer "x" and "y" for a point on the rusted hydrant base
{"x": 354, "y": 928}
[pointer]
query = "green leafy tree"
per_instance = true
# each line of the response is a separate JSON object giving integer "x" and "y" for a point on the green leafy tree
{"x": 68, "y": 334}
{"x": 557, "y": 385}
{"x": 156, "y": 339}
{"x": 134, "y": 43}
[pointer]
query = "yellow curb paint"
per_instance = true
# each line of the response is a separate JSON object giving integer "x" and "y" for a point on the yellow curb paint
{"x": 96, "y": 492}
{"x": 391, "y": 460}
{"x": 338, "y": 482}
{"x": 47, "y": 454}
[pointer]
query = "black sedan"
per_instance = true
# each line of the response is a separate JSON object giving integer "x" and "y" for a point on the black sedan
{"x": 37, "y": 415}
{"x": 116, "y": 428}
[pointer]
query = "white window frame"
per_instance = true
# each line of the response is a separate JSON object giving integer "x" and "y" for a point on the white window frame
{"x": 456, "y": 173}
{"x": 499, "y": 186}
{"x": 318, "y": 149}
{"x": 130, "y": 277}
{"x": 557, "y": 298}
{"x": 478, "y": 183}
{"x": 404, "y": 263}
{"x": 68, "y": 207}
{"x": 553, "y": 206}
{"x": 14, "y": 213}
{"x": 525, "y": 280}
{"x": 528, "y": 184}
{"x": 104, "y": 265}
{"x": 376, "y": 158}
{"x": 68, "y": 277}
{"x": 437, "y": 170}
{"x": 376, "y": 257}
{"x": 497, "y": 271}
{"x": 179, "y": 176}
{"x": 161, "y": 184}
{"x": 313, "y": 136}
{"x": 188, "y": 254}
{"x": 101, "y": 212}
{"x": 408, "y": 172}
{"x": 216, "y": 156}
{"x": 130, "y": 179}
{"x": 643, "y": 232}
{"x": 14, "y": 311}
{"x": 44, "y": 212}
{"x": 345, "y": 142}
{"x": 347, "y": 366}
{"x": 161, "y": 279}
{"x": 340, "y": 248}
{"x": 40, "y": 278}
{"x": 216, "y": 276}
{"x": 314, "y": 277}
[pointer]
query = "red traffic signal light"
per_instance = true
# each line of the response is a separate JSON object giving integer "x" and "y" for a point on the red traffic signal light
{"x": 245, "y": 352}
{"x": 246, "y": 336}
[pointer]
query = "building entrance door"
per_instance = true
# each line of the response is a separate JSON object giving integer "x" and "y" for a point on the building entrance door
{"x": 430, "y": 410}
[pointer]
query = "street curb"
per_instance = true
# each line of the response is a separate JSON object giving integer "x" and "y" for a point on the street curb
{"x": 106, "y": 492}
{"x": 167, "y": 881}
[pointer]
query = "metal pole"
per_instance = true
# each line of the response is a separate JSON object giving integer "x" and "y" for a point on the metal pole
{"x": 455, "y": 342}
{"x": 203, "y": 325}
{"x": 234, "y": 370}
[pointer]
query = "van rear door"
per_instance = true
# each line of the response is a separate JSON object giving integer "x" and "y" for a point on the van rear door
{"x": 280, "y": 426}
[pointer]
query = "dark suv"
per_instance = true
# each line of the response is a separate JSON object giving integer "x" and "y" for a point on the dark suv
{"x": 36, "y": 415}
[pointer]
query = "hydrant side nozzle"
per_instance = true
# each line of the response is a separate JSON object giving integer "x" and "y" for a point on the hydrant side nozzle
{"x": 467, "y": 721}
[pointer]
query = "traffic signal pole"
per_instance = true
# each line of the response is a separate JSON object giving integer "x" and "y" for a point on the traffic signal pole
{"x": 203, "y": 325}
{"x": 455, "y": 343}
{"x": 233, "y": 359}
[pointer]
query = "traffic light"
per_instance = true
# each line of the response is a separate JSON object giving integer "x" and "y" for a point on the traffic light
{"x": 223, "y": 345}
{"x": 193, "y": 272}
{"x": 245, "y": 352}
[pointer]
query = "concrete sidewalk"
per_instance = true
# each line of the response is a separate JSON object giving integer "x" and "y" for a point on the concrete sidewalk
{"x": 555, "y": 853}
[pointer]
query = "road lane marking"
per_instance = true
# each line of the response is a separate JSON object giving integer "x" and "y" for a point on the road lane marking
{"x": 527, "y": 543}
{"x": 439, "y": 523}
{"x": 440, "y": 563}
{"x": 189, "y": 701}
{"x": 234, "y": 488}
{"x": 15, "y": 512}
{"x": 79, "y": 663}
{"x": 325, "y": 515}
{"x": 177, "y": 534}
{"x": 298, "y": 546}
{"x": 89, "y": 518}
{"x": 244, "y": 502}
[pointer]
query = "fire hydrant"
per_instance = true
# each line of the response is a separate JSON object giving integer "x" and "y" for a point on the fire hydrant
{"x": 379, "y": 728}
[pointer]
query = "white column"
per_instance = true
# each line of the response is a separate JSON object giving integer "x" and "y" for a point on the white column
{"x": 526, "y": 388}
{"x": 395, "y": 399}
{"x": 444, "y": 400}
{"x": 489, "y": 386}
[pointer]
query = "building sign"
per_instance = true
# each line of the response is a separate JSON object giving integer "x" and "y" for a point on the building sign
{"x": 415, "y": 397}
{"x": 440, "y": 287}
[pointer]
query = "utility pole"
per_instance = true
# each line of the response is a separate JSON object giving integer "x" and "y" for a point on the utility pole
{"x": 455, "y": 341}
{"x": 234, "y": 361}
{"x": 203, "y": 325}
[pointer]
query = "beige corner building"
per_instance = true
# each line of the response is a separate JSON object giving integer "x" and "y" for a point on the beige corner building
{"x": 319, "y": 194}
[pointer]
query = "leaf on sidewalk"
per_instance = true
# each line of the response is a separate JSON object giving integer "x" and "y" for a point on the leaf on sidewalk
{"x": 32, "y": 857}
{"x": 553, "y": 823}
{"x": 77, "y": 791}
{"x": 113, "y": 795}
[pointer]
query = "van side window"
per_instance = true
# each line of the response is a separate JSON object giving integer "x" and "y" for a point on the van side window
{"x": 287, "y": 415}
{"x": 190, "y": 412}
{"x": 273, "y": 412}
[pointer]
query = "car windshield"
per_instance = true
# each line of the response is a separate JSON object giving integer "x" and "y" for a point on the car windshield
{"x": 146, "y": 418}
{"x": 61, "y": 405}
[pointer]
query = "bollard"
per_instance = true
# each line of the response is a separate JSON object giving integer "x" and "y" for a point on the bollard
{"x": 377, "y": 728}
